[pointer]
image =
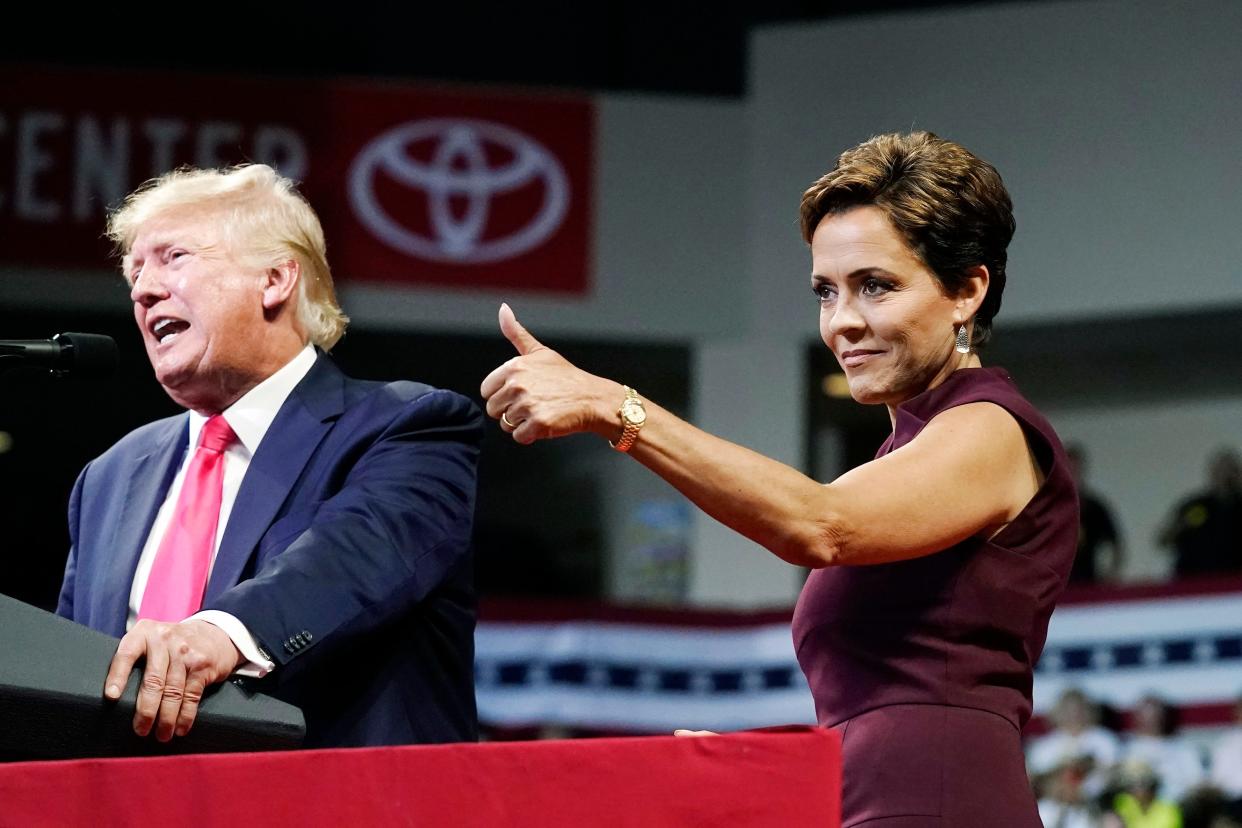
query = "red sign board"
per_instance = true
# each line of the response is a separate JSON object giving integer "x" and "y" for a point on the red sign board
{"x": 446, "y": 187}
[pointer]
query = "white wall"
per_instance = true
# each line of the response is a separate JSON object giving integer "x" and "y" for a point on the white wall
{"x": 1115, "y": 125}
{"x": 749, "y": 392}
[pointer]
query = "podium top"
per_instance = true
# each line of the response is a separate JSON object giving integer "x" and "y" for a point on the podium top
{"x": 52, "y": 705}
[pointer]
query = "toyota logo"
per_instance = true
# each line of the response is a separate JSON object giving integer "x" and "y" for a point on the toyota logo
{"x": 462, "y": 168}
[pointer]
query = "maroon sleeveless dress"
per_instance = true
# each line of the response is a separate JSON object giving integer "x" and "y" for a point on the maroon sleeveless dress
{"x": 924, "y": 666}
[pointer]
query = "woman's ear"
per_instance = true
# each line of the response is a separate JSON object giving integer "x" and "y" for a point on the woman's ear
{"x": 972, "y": 292}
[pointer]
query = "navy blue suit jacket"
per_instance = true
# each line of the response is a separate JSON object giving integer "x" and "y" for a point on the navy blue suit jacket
{"x": 347, "y": 553}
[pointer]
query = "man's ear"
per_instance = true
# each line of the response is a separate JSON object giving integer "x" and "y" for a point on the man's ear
{"x": 972, "y": 292}
{"x": 279, "y": 283}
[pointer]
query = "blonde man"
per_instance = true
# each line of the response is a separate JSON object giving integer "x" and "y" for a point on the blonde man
{"x": 295, "y": 526}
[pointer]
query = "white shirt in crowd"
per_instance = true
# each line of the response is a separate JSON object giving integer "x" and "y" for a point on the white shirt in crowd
{"x": 1178, "y": 765}
{"x": 1055, "y": 814}
{"x": 1055, "y": 748}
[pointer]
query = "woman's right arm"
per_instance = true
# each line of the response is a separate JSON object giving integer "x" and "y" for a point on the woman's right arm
{"x": 969, "y": 471}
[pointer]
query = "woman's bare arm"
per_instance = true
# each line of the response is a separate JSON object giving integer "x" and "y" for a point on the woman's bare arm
{"x": 968, "y": 472}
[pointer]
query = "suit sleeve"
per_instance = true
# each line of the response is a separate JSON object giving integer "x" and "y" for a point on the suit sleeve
{"x": 396, "y": 528}
{"x": 64, "y": 606}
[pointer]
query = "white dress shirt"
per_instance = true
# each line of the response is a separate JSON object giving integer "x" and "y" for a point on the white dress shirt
{"x": 249, "y": 417}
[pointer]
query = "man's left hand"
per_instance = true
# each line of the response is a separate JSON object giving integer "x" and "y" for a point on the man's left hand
{"x": 183, "y": 660}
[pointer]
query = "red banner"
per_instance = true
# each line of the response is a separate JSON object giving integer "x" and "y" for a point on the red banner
{"x": 414, "y": 185}
{"x": 743, "y": 779}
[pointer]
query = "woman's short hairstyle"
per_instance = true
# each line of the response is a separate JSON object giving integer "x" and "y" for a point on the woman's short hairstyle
{"x": 265, "y": 219}
{"x": 951, "y": 207}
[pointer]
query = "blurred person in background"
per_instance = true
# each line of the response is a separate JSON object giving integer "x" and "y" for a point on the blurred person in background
{"x": 1138, "y": 805}
{"x": 1062, "y": 802}
{"x": 935, "y": 566}
{"x": 1097, "y": 530}
{"x": 1205, "y": 530}
{"x": 1155, "y": 742}
{"x": 1076, "y": 735}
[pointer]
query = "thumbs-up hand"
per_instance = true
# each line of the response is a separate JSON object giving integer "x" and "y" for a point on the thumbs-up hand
{"x": 539, "y": 394}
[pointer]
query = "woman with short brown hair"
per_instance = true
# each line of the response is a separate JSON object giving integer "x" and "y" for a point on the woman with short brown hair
{"x": 936, "y": 565}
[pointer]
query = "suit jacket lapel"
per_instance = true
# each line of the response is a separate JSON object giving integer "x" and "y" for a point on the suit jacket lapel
{"x": 286, "y": 448}
{"x": 146, "y": 486}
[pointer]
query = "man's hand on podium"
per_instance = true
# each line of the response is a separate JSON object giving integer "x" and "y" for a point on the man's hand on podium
{"x": 183, "y": 660}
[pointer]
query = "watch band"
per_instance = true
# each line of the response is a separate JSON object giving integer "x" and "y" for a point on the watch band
{"x": 633, "y": 415}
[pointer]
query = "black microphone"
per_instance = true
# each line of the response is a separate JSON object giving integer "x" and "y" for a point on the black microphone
{"x": 80, "y": 354}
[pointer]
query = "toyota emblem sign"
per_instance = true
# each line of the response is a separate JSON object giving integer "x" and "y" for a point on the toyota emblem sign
{"x": 465, "y": 188}
{"x": 459, "y": 171}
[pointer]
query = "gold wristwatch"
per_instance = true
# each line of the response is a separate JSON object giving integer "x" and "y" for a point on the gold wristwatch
{"x": 632, "y": 415}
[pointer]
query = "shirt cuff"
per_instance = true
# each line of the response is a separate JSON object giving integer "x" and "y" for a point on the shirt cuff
{"x": 257, "y": 663}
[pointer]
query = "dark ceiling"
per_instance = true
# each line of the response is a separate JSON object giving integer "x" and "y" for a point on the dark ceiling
{"x": 670, "y": 47}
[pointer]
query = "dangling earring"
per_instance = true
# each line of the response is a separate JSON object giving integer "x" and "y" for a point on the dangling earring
{"x": 962, "y": 344}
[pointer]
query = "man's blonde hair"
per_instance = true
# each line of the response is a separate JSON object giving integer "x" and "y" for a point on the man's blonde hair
{"x": 262, "y": 215}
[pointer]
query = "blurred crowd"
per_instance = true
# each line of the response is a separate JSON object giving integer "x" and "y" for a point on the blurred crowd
{"x": 1203, "y": 531}
{"x": 1148, "y": 775}
{"x": 1092, "y": 772}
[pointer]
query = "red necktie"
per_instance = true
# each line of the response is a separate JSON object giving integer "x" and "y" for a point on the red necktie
{"x": 179, "y": 576}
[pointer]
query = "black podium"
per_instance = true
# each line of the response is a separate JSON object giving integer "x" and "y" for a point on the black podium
{"x": 52, "y": 706}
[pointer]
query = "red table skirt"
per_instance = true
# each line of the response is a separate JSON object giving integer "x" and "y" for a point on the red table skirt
{"x": 777, "y": 779}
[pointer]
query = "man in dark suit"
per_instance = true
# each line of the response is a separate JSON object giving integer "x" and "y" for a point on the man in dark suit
{"x": 304, "y": 529}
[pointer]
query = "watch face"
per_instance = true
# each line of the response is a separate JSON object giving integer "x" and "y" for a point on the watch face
{"x": 633, "y": 412}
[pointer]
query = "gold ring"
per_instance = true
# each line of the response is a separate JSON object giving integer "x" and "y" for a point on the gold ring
{"x": 504, "y": 418}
